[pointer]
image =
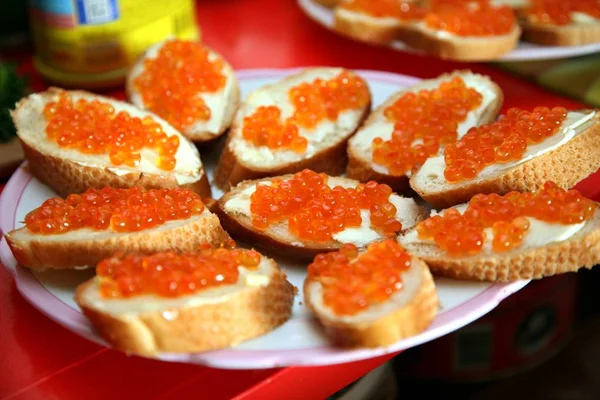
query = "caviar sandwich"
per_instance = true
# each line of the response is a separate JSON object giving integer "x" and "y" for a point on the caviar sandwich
{"x": 307, "y": 213}
{"x": 81, "y": 230}
{"x": 76, "y": 140}
{"x": 183, "y": 303}
{"x": 302, "y": 121}
{"x": 561, "y": 22}
{"x": 371, "y": 298}
{"x": 200, "y": 96}
{"x": 416, "y": 123}
{"x": 516, "y": 236}
{"x": 520, "y": 151}
{"x": 461, "y": 30}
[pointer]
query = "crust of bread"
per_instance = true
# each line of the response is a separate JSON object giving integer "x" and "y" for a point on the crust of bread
{"x": 38, "y": 253}
{"x": 566, "y": 165}
{"x": 246, "y": 314}
{"x": 460, "y": 49}
{"x": 331, "y": 160}
{"x": 366, "y": 29}
{"x": 66, "y": 177}
{"x": 582, "y": 250}
{"x": 361, "y": 169}
{"x": 409, "y": 320}
{"x": 553, "y": 35}
{"x": 273, "y": 239}
{"x": 328, "y": 3}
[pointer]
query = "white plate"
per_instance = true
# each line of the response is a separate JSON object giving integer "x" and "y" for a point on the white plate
{"x": 300, "y": 341}
{"x": 524, "y": 52}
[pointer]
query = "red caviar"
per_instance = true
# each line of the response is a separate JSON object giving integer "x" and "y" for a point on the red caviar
{"x": 94, "y": 127}
{"x": 471, "y": 18}
{"x": 171, "y": 275}
{"x": 314, "y": 211}
{"x": 429, "y": 116}
{"x": 352, "y": 282}
{"x": 502, "y": 141}
{"x": 121, "y": 210}
{"x": 313, "y": 102}
{"x": 402, "y": 10}
{"x": 559, "y": 12}
{"x": 507, "y": 216}
{"x": 170, "y": 83}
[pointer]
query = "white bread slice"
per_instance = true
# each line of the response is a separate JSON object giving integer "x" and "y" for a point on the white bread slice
{"x": 84, "y": 248}
{"x": 234, "y": 212}
{"x": 367, "y": 28}
{"x": 551, "y": 249}
{"x": 406, "y": 313}
{"x": 584, "y": 29}
{"x": 459, "y": 48}
{"x": 210, "y": 319}
{"x": 222, "y": 104}
{"x": 70, "y": 171}
{"x": 567, "y": 157}
{"x": 360, "y": 149}
{"x": 326, "y": 151}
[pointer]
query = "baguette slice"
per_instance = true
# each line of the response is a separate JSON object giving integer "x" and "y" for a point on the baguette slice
{"x": 583, "y": 30}
{"x": 406, "y": 313}
{"x": 234, "y": 212}
{"x": 222, "y": 104}
{"x": 210, "y": 319}
{"x": 360, "y": 149}
{"x": 70, "y": 171}
{"x": 368, "y": 28}
{"x": 567, "y": 157}
{"x": 446, "y": 45}
{"x": 326, "y": 151}
{"x": 553, "y": 249}
{"x": 84, "y": 248}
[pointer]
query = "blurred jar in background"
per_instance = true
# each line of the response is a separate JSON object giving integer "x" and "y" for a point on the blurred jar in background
{"x": 91, "y": 43}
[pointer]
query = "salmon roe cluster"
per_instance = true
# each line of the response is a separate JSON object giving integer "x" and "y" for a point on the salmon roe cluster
{"x": 171, "y": 275}
{"x": 423, "y": 121}
{"x": 316, "y": 211}
{"x": 94, "y": 127}
{"x": 120, "y": 210}
{"x": 313, "y": 102}
{"x": 170, "y": 83}
{"x": 502, "y": 141}
{"x": 402, "y": 10}
{"x": 507, "y": 216}
{"x": 352, "y": 282}
{"x": 466, "y": 18}
{"x": 559, "y": 12}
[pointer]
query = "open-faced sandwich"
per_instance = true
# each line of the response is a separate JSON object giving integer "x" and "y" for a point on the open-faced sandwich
{"x": 81, "y": 230}
{"x": 200, "y": 95}
{"x": 75, "y": 140}
{"x": 307, "y": 213}
{"x": 184, "y": 303}
{"x": 455, "y": 29}
{"x": 511, "y": 237}
{"x": 561, "y": 22}
{"x": 302, "y": 121}
{"x": 416, "y": 123}
{"x": 520, "y": 151}
{"x": 371, "y": 298}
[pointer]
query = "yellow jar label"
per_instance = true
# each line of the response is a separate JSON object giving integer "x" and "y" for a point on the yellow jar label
{"x": 98, "y": 36}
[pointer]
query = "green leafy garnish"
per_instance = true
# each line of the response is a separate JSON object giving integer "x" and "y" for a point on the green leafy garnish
{"x": 12, "y": 88}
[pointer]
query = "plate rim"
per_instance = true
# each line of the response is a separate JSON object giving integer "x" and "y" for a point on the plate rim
{"x": 52, "y": 307}
{"x": 529, "y": 53}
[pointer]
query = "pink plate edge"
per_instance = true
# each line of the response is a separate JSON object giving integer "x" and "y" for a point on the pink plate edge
{"x": 446, "y": 322}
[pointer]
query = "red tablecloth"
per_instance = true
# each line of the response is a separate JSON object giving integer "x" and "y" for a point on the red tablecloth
{"x": 41, "y": 360}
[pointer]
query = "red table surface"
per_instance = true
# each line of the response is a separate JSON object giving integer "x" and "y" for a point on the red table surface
{"x": 41, "y": 360}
